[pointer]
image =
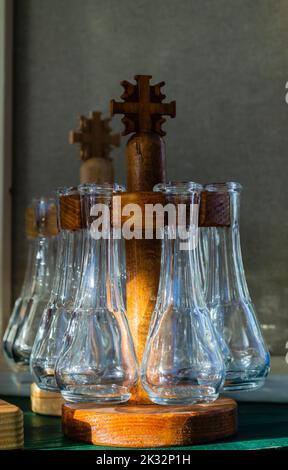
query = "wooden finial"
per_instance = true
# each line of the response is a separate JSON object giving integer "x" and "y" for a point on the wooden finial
{"x": 142, "y": 106}
{"x": 94, "y": 137}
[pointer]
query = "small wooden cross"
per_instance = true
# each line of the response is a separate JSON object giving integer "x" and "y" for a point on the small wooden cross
{"x": 94, "y": 137}
{"x": 142, "y": 106}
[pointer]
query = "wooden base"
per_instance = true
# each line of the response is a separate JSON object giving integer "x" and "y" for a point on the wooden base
{"x": 46, "y": 403}
{"x": 150, "y": 425}
{"x": 11, "y": 426}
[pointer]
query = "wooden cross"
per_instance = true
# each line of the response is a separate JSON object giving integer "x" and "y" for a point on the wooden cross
{"x": 142, "y": 106}
{"x": 94, "y": 137}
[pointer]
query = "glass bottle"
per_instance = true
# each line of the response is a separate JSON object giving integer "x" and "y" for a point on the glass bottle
{"x": 57, "y": 312}
{"x": 228, "y": 298}
{"x": 182, "y": 361}
{"x": 41, "y": 280}
{"x": 20, "y": 305}
{"x": 97, "y": 363}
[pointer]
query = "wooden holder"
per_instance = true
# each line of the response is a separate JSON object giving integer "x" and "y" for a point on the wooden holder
{"x": 138, "y": 424}
{"x": 214, "y": 209}
{"x": 96, "y": 141}
{"x": 11, "y": 427}
{"x": 97, "y": 170}
{"x": 46, "y": 403}
{"x": 46, "y": 227}
{"x": 150, "y": 425}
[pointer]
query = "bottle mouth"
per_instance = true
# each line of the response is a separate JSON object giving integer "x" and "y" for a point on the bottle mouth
{"x": 178, "y": 187}
{"x": 67, "y": 191}
{"x": 105, "y": 188}
{"x": 42, "y": 200}
{"x": 227, "y": 186}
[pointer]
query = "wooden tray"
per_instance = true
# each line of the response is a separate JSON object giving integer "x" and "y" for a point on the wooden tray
{"x": 150, "y": 425}
{"x": 11, "y": 426}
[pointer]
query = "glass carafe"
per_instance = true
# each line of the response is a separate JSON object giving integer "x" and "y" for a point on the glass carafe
{"x": 182, "y": 361}
{"x": 57, "y": 313}
{"x": 97, "y": 363}
{"x": 229, "y": 301}
{"x": 43, "y": 266}
{"x": 20, "y": 305}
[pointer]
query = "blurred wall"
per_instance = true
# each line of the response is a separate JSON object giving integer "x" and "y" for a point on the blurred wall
{"x": 226, "y": 64}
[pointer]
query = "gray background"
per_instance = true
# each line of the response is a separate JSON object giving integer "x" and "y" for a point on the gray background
{"x": 226, "y": 64}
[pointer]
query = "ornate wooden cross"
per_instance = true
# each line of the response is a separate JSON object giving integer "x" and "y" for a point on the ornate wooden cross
{"x": 94, "y": 137}
{"x": 142, "y": 106}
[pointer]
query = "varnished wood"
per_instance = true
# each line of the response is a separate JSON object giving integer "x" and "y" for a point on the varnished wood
{"x": 11, "y": 426}
{"x": 70, "y": 212}
{"x": 96, "y": 141}
{"x": 150, "y": 425}
{"x": 143, "y": 110}
{"x": 30, "y": 223}
{"x": 142, "y": 106}
{"x": 214, "y": 209}
{"x": 94, "y": 137}
{"x": 146, "y": 163}
{"x": 46, "y": 403}
{"x": 97, "y": 170}
{"x": 47, "y": 226}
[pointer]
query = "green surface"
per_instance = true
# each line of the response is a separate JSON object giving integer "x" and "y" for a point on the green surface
{"x": 261, "y": 426}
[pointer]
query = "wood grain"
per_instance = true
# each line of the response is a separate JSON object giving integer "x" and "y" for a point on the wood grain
{"x": 142, "y": 106}
{"x": 150, "y": 425}
{"x": 214, "y": 209}
{"x": 146, "y": 164}
{"x": 11, "y": 426}
{"x": 46, "y": 403}
{"x": 70, "y": 212}
{"x": 30, "y": 223}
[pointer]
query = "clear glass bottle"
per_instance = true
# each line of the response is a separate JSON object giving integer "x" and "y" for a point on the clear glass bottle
{"x": 182, "y": 361}
{"x": 97, "y": 363}
{"x": 43, "y": 266}
{"x": 229, "y": 302}
{"x": 57, "y": 313}
{"x": 20, "y": 305}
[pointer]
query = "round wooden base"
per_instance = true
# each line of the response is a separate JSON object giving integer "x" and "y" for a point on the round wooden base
{"x": 46, "y": 403}
{"x": 11, "y": 426}
{"x": 150, "y": 425}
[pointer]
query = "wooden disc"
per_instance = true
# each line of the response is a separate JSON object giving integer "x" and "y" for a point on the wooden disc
{"x": 11, "y": 426}
{"x": 150, "y": 425}
{"x": 46, "y": 403}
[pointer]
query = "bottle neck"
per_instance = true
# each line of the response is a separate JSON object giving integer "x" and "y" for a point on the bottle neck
{"x": 43, "y": 266}
{"x": 226, "y": 281}
{"x": 101, "y": 283}
{"x": 68, "y": 267}
{"x": 180, "y": 281}
{"x": 29, "y": 272}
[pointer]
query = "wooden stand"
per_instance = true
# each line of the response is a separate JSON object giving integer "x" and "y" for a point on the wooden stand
{"x": 96, "y": 141}
{"x": 139, "y": 424}
{"x": 150, "y": 425}
{"x": 11, "y": 427}
{"x": 46, "y": 403}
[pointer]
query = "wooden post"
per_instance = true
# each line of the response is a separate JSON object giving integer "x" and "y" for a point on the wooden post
{"x": 138, "y": 424}
{"x": 146, "y": 166}
{"x": 96, "y": 141}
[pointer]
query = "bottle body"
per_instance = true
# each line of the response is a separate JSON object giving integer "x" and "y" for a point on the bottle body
{"x": 182, "y": 362}
{"x": 19, "y": 308}
{"x": 57, "y": 313}
{"x": 229, "y": 302}
{"x": 41, "y": 228}
{"x": 34, "y": 304}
